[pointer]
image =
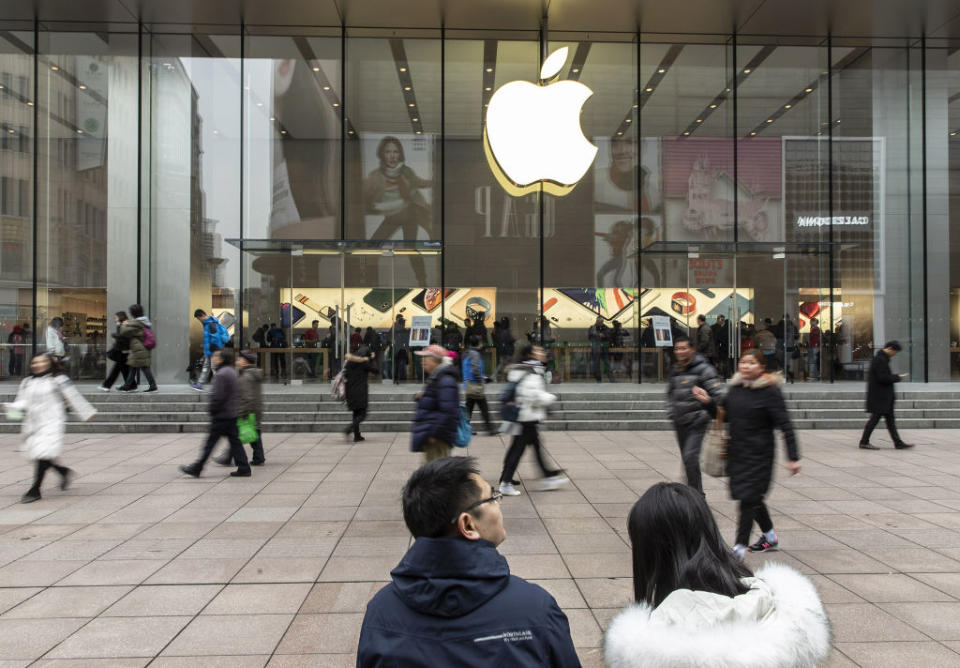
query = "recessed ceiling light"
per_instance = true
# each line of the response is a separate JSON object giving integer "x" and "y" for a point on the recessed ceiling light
{"x": 489, "y": 69}
{"x": 769, "y": 120}
{"x": 82, "y": 87}
{"x": 418, "y": 132}
{"x": 753, "y": 134}
{"x": 259, "y": 104}
{"x": 699, "y": 120}
{"x": 1, "y": 86}
{"x": 411, "y": 105}
{"x": 619, "y": 133}
{"x": 488, "y": 88}
{"x": 629, "y": 120}
{"x": 29, "y": 104}
{"x": 14, "y": 131}
{"x": 316, "y": 69}
{"x": 326, "y": 88}
{"x": 283, "y": 132}
{"x": 713, "y": 106}
{"x": 747, "y": 71}
{"x": 636, "y": 106}
{"x": 807, "y": 90}
{"x": 838, "y": 120}
{"x": 649, "y": 90}
{"x": 79, "y": 131}
{"x": 415, "y": 120}
{"x": 336, "y": 104}
{"x": 575, "y": 70}
{"x": 661, "y": 70}
{"x": 686, "y": 133}
{"x": 403, "y": 69}
{"x": 787, "y": 106}
{"x": 407, "y": 88}
{"x": 54, "y": 68}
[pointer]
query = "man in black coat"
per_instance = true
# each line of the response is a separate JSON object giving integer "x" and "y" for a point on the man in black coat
{"x": 880, "y": 397}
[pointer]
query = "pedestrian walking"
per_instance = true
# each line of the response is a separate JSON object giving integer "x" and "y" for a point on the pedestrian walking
{"x": 42, "y": 400}
{"x": 223, "y": 417}
{"x": 18, "y": 351}
{"x": 249, "y": 400}
{"x": 695, "y": 605}
{"x": 754, "y": 408}
{"x": 118, "y": 355}
{"x": 881, "y": 397}
{"x": 138, "y": 331}
{"x": 356, "y": 373}
{"x": 599, "y": 336}
{"x": 215, "y": 337}
{"x": 689, "y": 416}
{"x": 473, "y": 380}
{"x": 532, "y": 400}
{"x": 438, "y": 406}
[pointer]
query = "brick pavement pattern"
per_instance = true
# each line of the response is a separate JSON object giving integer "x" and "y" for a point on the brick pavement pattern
{"x": 138, "y": 565}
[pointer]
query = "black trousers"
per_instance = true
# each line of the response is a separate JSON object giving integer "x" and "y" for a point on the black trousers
{"x": 875, "y": 420}
{"x": 119, "y": 369}
{"x": 484, "y": 410}
{"x": 220, "y": 428}
{"x": 529, "y": 435}
{"x": 359, "y": 415}
{"x": 690, "y": 439}
{"x": 41, "y": 470}
{"x": 750, "y": 510}
{"x": 257, "y": 447}
{"x": 133, "y": 377}
{"x": 15, "y": 366}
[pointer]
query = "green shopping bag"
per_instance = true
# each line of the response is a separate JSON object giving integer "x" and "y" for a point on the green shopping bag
{"x": 247, "y": 428}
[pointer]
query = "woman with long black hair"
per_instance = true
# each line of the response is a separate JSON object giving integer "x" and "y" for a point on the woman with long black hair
{"x": 118, "y": 353}
{"x": 698, "y": 605}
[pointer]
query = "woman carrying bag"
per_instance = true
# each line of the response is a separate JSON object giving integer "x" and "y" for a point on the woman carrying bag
{"x": 43, "y": 399}
{"x": 118, "y": 354}
{"x": 356, "y": 371}
{"x": 754, "y": 409}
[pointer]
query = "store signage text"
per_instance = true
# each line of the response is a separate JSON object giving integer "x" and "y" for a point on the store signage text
{"x": 823, "y": 221}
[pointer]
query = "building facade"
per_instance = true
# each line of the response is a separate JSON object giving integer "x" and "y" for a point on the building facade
{"x": 787, "y": 173}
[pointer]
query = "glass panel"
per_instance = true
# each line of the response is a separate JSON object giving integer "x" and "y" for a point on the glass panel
{"x": 16, "y": 202}
{"x": 87, "y": 213}
{"x": 492, "y": 253}
{"x": 194, "y": 95}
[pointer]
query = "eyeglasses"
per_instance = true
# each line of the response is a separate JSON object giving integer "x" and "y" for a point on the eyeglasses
{"x": 496, "y": 497}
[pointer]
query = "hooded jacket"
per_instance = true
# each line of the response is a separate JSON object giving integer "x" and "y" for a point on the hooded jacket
{"x": 683, "y": 409}
{"x": 779, "y": 623}
{"x": 132, "y": 331}
{"x": 532, "y": 396}
{"x": 438, "y": 408}
{"x": 880, "y": 382}
{"x": 453, "y": 602}
{"x": 754, "y": 410}
{"x": 43, "y": 400}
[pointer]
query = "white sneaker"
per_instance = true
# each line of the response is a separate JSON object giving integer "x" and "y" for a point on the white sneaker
{"x": 509, "y": 490}
{"x": 553, "y": 482}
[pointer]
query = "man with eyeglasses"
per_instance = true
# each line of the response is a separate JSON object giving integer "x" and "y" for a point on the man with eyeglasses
{"x": 453, "y": 601}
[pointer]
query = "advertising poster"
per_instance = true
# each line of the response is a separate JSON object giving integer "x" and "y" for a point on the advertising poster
{"x": 615, "y": 250}
{"x": 686, "y": 305}
{"x": 398, "y": 186}
{"x": 420, "y": 331}
{"x": 579, "y": 307}
{"x": 615, "y": 175}
{"x": 662, "y": 335}
{"x": 699, "y": 187}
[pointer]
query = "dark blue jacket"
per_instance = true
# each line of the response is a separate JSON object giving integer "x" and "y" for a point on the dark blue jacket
{"x": 453, "y": 602}
{"x": 438, "y": 409}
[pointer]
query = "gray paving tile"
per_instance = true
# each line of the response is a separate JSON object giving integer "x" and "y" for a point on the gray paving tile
{"x": 120, "y": 637}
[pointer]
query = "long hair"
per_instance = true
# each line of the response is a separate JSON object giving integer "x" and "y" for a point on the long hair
{"x": 676, "y": 545}
{"x": 382, "y": 146}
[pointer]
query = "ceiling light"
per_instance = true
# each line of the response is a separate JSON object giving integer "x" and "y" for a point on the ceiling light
{"x": 216, "y": 132}
{"x": 753, "y": 134}
{"x": 415, "y": 120}
{"x": 807, "y": 90}
{"x": 273, "y": 118}
{"x": 649, "y": 90}
{"x": 418, "y": 132}
{"x": 838, "y": 120}
{"x": 1, "y": 86}
{"x": 661, "y": 70}
{"x": 488, "y": 88}
{"x": 619, "y": 133}
{"x": 769, "y": 120}
{"x": 82, "y": 87}
{"x": 259, "y": 104}
{"x": 316, "y": 69}
{"x": 699, "y": 120}
{"x": 14, "y": 131}
{"x": 283, "y": 132}
{"x": 713, "y": 106}
{"x": 349, "y": 132}
{"x": 787, "y": 106}
{"x": 336, "y": 104}
{"x": 29, "y": 104}
{"x": 575, "y": 70}
{"x": 728, "y": 90}
{"x": 79, "y": 131}
{"x": 685, "y": 134}
{"x": 326, "y": 88}
{"x": 628, "y": 120}
{"x": 403, "y": 69}
{"x": 411, "y": 105}
{"x": 747, "y": 71}
{"x": 54, "y": 68}
{"x": 489, "y": 69}
{"x": 407, "y": 88}
{"x": 636, "y": 106}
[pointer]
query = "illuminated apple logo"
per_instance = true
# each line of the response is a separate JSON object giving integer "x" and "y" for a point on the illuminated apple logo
{"x": 532, "y": 134}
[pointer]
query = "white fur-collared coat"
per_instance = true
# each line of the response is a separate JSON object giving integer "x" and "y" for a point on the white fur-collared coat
{"x": 779, "y": 623}
{"x": 43, "y": 401}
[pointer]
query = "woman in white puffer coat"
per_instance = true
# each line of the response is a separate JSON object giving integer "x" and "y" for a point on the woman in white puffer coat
{"x": 42, "y": 399}
{"x": 698, "y": 606}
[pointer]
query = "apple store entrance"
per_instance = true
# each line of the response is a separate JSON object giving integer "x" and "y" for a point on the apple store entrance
{"x": 307, "y": 303}
{"x": 774, "y": 297}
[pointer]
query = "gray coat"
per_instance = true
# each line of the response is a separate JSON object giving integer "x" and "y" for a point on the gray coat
{"x": 683, "y": 409}
{"x": 250, "y": 394}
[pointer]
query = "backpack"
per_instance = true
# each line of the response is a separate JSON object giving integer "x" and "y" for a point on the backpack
{"x": 509, "y": 410}
{"x": 338, "y": 386}
{"x": 149, "y": 340}
{"x": 464, "y": 430}
{"x": 224, "y": 334}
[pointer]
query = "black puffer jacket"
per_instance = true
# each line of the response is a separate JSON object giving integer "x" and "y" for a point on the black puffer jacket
{"x": 753, "y": 412}
{"x": 683, "y": 409}
{"x": 358, "y": 385}
{"x": 880, "y": 382}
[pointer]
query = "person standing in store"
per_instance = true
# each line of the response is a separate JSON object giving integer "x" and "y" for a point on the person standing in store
{"x": 813, "y": 350}
{"x": 766, "y": 341}
{"x": 881, "y": 397}
{"x": 721, "y": 341}
{"x": 223, "y": 418}
{"x": 18, "y": 351}
{"x": 249, "y": 400}
{"x": 473, "y": 380}
{"x": 278, "y": 361}
{"x": 118, "y": 353}
{"x": 705, "y": 343}
{"x": 754, "y": 408}
{"x": 401, "y": 341}
{"x": 691, "y": 417}
{"x": 599, "y": 337}
{"x": 43, "y": 398}
{"x": 505, "y": 347}
{"x": 55, "y": 341}
{"x": 356, "y": 371}
{"x": 138, "y": 332}
{"x": 311, "y": 339}
{"x": 532, "y": 400}
{"x": 438, "y": 406}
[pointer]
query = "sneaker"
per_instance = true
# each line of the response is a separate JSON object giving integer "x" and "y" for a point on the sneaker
{"x": 258, "y": 462}
{"x": 102, "y": 388}
{"x": 739, "y": 552}
{"x": 241, "y": 473}
{"x": 150, "y": 389}
{"x": 357, "y": 439}
{"x": 552, "y": 482}
{"x": 66, "y": 479}
{"x": 763, "y": 545}
{"x": 902, "y": 446}
{"x": 198, "y": 387}
{"x": 868, "y": 446}
{"x": 30, "y": 497}
{"x": 507, "y": 489}
{"x": 191, "y": 470}
{"x": 126, "y": 389}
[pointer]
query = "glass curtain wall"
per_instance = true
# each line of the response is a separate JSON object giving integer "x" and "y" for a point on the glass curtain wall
{"x": 17, "y": 135}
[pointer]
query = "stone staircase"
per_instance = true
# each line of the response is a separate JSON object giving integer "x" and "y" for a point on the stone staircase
{"x": 579, "y": 409}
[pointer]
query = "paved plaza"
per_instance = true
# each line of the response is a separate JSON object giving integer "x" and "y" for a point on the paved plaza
{"x": 137, "y": 565}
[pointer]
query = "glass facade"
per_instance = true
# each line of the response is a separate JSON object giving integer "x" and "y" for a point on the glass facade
{"x": 327, "y": 185}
